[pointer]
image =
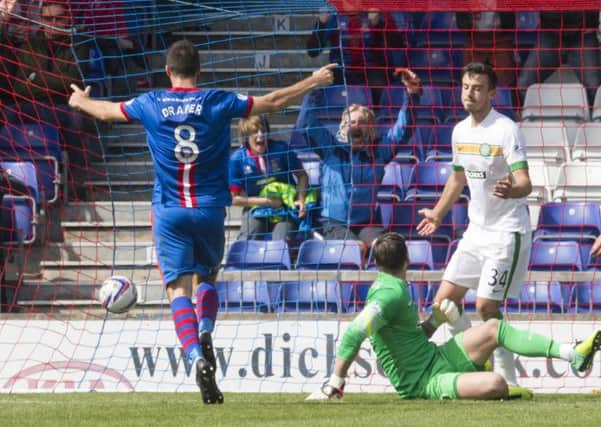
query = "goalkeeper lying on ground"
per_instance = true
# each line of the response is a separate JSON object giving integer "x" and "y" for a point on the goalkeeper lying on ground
{"x": 418, "y": 368}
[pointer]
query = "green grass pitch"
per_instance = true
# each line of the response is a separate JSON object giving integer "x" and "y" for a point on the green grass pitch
{"x": 368, "y": 410}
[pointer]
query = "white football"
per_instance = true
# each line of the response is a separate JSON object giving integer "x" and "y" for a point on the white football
{"x": 118, "y": 294}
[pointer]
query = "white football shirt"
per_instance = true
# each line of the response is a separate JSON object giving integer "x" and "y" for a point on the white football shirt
{"x": 487, "y": 153}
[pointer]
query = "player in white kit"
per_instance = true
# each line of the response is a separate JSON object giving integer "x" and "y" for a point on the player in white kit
{"x": 492, "y": 257}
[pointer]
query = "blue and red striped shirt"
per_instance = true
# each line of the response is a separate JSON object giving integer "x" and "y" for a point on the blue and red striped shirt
{"x": 188, "y": 133}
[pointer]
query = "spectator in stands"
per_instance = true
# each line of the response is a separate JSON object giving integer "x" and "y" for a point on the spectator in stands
{"x": 45, "y": 67}
{"x": 353, "y": 166}
{"x": 108, "y": 22}
{"x": 573, "y": 34}
{"x": 489, "y": 39}
{"x": 261, "y": 181}
{"x": 361, "y": 43}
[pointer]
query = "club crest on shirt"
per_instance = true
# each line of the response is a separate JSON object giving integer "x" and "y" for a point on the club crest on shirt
{"x": 485, "y": 150}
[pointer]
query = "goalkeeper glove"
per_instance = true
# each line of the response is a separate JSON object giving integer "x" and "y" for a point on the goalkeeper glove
{"x": 333, "y": 389}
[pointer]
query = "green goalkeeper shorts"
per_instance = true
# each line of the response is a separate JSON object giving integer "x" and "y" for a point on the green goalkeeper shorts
{"x": 450, "y": 362}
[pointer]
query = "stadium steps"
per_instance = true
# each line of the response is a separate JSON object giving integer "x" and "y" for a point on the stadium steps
{"x": 274, "y": 23}
{"x": 247, "y": 40}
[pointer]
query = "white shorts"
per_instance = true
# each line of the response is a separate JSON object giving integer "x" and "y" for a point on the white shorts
{"x": 493, "y": 262}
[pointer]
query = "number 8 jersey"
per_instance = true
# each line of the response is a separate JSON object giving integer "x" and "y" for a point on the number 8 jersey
{"x": 188, "y": 133}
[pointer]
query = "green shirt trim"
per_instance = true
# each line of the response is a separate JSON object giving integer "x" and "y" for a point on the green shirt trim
{"x": 518, "y": 165}
{"x": 457, "y": 168}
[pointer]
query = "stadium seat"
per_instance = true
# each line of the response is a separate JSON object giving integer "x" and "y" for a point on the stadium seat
{"x": 544, "y": 297}
{"x": 19, "y": 218}
{"x": 436, "y": 66}
{"x": 439, "y": 148}
{"x": 322, "y": 295}
{"x": 17, "y": 221}
{"x": 527, "y": 25}
{"x": 406, "y": 217}
{"x": 555, "y": 256}
{"x": 420, "y": 258}
{"x": 586, "y": 297}
{"x": 429, "y": 109}
{"x": 556, "y": 101}
{"x": 428, "y": 181}
{"x": 253, "y": 255}
{"x": 438, "y": 29}
{"x": 578, "y": 182}
{"x": 503, "y": 102}
{"x": 546, "y": 140}
{"x": 40, "y": 145}
{"x": 578, "y": 221}
{"x": 543, "y": 177}
{"x": 336, "y": 98}
{"x": 587, "y": 146}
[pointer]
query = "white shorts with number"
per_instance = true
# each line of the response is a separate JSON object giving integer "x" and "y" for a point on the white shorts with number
{"x": 493, "y": 262}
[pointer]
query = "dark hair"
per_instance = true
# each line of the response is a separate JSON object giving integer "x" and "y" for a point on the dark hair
{"x": 482, "y": 69}
{"x": 390, "y": 251}
{"x": 183, "y": 59}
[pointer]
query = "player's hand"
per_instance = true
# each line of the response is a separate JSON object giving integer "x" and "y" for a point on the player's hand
{"x": 503, "y": 187}
{"x": 324, "y": 75}
{"x": 429, "y": 224}
{"x": 327, "y": 392}
{"x": 596, "y": 249}
{"x": 446, "y": 311}
{"x": 78, "y": 96}
{"x": 300, "y": 206}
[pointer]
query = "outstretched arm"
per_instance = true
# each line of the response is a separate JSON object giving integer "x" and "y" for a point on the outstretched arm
{"x": 367, "y": 323}
{"x": 102, "y": 110}
{"x": 450, "y": 194}
{"x": 282, "y": 98}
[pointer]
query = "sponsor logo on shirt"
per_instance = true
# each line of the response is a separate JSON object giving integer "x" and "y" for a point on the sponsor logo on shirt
{"x": 476, "y": 174}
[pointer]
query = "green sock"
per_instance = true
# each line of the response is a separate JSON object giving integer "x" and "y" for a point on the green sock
{"x": 526, "y": 343}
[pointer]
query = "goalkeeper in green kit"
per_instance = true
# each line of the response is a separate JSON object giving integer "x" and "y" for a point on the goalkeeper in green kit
{"x": 418, "y": 368}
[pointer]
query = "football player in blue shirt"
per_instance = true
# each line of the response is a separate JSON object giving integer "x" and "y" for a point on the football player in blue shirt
{"x": 188, "y": 133}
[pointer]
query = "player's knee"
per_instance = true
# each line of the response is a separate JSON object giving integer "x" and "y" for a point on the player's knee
{"x": 491, "y": 327}
{"x": 487, "y": 309}
{"x": 496, "y": 386}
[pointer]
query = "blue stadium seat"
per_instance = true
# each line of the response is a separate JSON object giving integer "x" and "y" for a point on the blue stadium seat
{"x": 322, "y": 295}
{"x": 555, "y": 256}
{"x": 586, "y": 297}
{"x": 428, "y": 181}
{"x": 40, "y": 145}
{"x": 437, "y": 66}
{"x": 503, "y": 102}
{"x": 27, "y": 174}
{"x": 336, "y": 98}
{"x": 439, "y": 148}
{"x": 578, "y": 221}
{"x": 406, "y": 217}
{"x": 17, "y": 221}
{"x": 253, "y": 255}
{"x": 439, "y": 29}
{"x": 469, "y": 301}
{"x": 19, "y": 216}
{"x": 527, "y": 25}
{"x": 430, "y": 108}
{"x": 545, "y": 297}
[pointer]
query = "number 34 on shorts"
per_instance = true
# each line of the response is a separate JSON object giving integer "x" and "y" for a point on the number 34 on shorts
{"x": 495, "y": 278}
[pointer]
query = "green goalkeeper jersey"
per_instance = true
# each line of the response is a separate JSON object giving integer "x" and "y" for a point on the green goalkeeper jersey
{"x": 390, "y": 320}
